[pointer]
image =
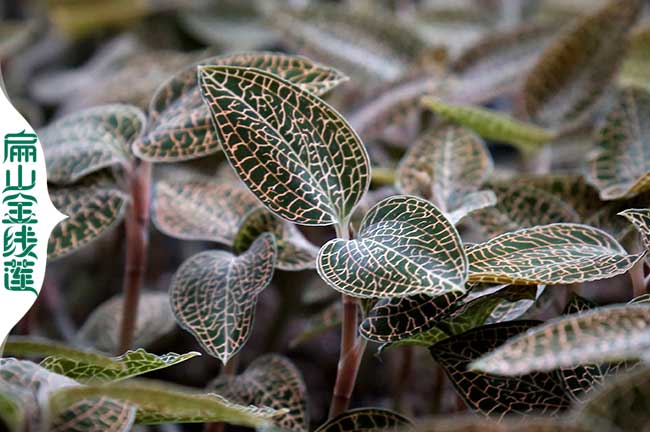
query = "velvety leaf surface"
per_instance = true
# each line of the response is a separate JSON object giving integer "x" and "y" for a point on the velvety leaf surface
{"x": 102, "y": 328}
{"x": 447, "y": 165}
{"x": 550, "y": 255}
{"x": 295, "y": 252}
{"x": 93, "y": 207}
{"x": 620, "y": 168}
{"x": 181, "y": 127}
{"x": 610, "y": 333}
{"x": 199, "y": 208}
{"x": 492, "y": 125}
{"x": 575, "y": 70}
{"x": 157, "y": 403}
{"x": 271, "y": 381}
{"x": 492, "y": 395}
{"x": 133, "y": 363}
{"x": 294, "y": 152}
{"x": 405, "y": 246}
{"x": 367, "y": 419}
{"x": 521, "y": 206}
{"x": 90, "y": 140}
{"x": 214, "y": 293}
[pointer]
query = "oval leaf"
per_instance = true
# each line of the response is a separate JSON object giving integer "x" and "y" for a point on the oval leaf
{"x": 447, "y": 165}
{"x": 90, "y": 140}
{"x": 214, "y": 294}
{"x": 620, "y": 168}
{"x": 549, "y": 255}
{"x": 181, "y": 128}
{"x": 367, "y": 419}
{"x": 294, "y": 152}
{"x": 574, "y": 71}
{"x": 606, "y": 334}
{"x": 405, "y": 247}
{"x": 270, "y": 381}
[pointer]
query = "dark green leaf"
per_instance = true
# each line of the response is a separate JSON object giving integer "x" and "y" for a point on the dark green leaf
{"x": 367, "y": 419}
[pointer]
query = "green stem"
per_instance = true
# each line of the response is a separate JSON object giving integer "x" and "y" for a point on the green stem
{"x": 137, "y": 230}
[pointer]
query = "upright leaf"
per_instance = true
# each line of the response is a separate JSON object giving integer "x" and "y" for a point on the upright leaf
{"x": 448, "y": 166}
{"x": 405, "y": 247}
{"x": 271, "y": 381}
{"x": 102, "y": 328}
{"x": 498, "y": 396}
{"x": 181, "y": 128}
{"x": 620, "y": 168}
{"x": 214, "y": 294}
{"x": 367, "y": 419}
{"x": 602, "y": 335}
{"x": 294, "y": 152}
{"x": 549, "y": 255}
{"x": 574, "y": 71}
{"x": 90, "y": 140}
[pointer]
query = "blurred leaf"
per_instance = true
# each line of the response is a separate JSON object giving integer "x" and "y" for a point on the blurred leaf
{"x": 214, "y": 294}
{"x": 197, "y": 208}
{"x": 181, "y": 127}
{"x": 165, "y": 403}
{"x": 14, "y": 407}
{"x": 643, "y": 298}
{"x": 605, "y": 334}
{"x": 493, "y": 395}
{"x": 85, "y": 414}
{"x": 295, "y": 252}
{"x": 635, "y": 69}
{"x": 575, "y": 70}
{"x": 470, "y": 423}
{"x": 265, "y": 139}
{"x": 154, "y": 320}
{"x": 549, "y": 255}
{"x": 133, "y": 363}
{"x": 619, "y": 169}
{"x": 640, "y": 218}
{"x": 13, "y": 36}
{"x": 492, "y": 125}
{"x": 394, "y": 319}
{"x": 93, "y": 206}
{"x": 25, "y": 346}
{"x": 90, "y": 140}
{"x": 327, "y": 319}
{"x": 521, "y": 206}
{"x": 405, "y": 246}
{"x": 270, "y": 381}
{"x": 448, "y": 165}
{"x": 367, "y": 419}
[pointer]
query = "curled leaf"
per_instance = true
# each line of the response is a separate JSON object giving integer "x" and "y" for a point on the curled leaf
{"x": 214, "y": 295}
{"x": 294, "y": 152}
{"x": 405, "y": 247}
{"x": 640, "y": 218}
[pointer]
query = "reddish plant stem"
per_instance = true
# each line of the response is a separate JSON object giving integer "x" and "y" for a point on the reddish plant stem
{"x": 637, "y": 275}
{"x": 403, "y": 376}
{"x": 137, "y": 233}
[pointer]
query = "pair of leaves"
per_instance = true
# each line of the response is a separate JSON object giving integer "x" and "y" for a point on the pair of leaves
{"x": 448, "y": 165}
{"x": 214, "y": 294}
{"x": 181, "y": 128}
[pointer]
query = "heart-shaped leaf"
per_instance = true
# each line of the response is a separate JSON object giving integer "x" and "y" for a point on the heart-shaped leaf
{"x": 85, "y": 414}
{"x": 93, "y": 207}
{"x": 294, "y": 152}
{"x": 271, "y": 381}
{"x": 405, "y": 246}
{"x": 367, "y": 419}
{"x": 102, "y": 328}
{"x": 214, "y": 294}
{"x": 492, "y": 395}
{"x": 640, "y": 218}
{"x": 181, "y": 127}
{"x": 620, "y": 169}
{"x": 159, "y": 403}
{"x": 492, "y": 125}
{"x": 295, "y": 252}
{"x": 574, "y": 71}
{"x": 606, "y": 334}
{"x": 522, "y": 206}
{"x": 447, "y": 165}
{"x": 90, "y": 140}
{"x": 549, "y": 255}
{"x": 133, "y": 363}
{"x": 191, "y": 207}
